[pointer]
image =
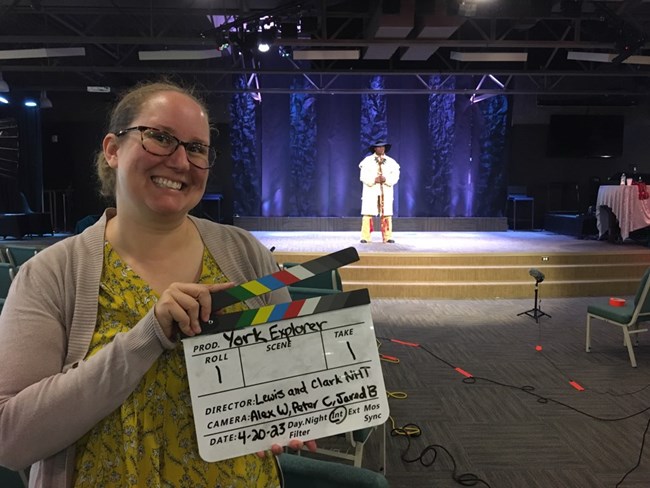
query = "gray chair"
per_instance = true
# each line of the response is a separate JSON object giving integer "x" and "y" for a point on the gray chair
{"x": 350, "y": 446}
{"x": 5, "y": 278}
{"x": 627, "y": 317}
{"x": 301, "y": 471}
{"x": 326, "y": 283}
{"x": 5, "y": 281}
{"x": 12, "y": 479}
{"x": 18, "y": 255}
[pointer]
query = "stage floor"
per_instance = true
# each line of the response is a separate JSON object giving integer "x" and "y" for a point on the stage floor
{"x": 452, "y": 242}
{"x": 443, "y": 242}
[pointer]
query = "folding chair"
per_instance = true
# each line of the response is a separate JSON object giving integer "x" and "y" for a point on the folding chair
{"x": 5, "y": 278}
{"x": 13, "y": 479}
{"x": 321, "y": 284}
{"x": 626, "y": 317}
{"x": 18, "y": 255}
{"x": 299, "y": 471}
{"x": 354, "y": 443}
{"x": 5, "y": 281}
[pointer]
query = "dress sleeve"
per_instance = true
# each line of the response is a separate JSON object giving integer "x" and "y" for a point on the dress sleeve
{"x": 46, "y": 406}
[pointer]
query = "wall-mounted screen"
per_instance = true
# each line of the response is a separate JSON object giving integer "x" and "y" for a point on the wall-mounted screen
{"x": 585, "y": 136}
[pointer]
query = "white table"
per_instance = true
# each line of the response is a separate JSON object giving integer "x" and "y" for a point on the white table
{"x": 632, "y": 213}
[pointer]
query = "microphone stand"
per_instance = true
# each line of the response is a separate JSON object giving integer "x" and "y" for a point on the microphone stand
{"x": 380, "y": 160}
{"x": 535, "y": 312}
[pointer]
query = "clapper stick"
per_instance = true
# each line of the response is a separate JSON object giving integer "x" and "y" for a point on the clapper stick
{"x": 283, "y": 278}
{"x": 283, "y": 311}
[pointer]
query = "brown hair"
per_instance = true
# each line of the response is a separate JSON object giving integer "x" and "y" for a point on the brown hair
{"x": 124, "y": 112}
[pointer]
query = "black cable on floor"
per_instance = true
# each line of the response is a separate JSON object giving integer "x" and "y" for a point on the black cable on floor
{"x": 530, "y": 390}
{"x": 463, "y": 479}
{"x": 638, "y": 462}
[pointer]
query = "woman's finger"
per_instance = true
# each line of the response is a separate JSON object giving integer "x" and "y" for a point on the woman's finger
{"x": 182, "y": 304}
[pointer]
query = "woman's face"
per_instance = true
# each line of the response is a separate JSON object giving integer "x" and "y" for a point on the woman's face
{"x": 159, "y": 185}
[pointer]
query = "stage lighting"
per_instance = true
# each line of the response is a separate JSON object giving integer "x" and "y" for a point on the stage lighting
{"x": 284, "y": 51}
{"x": 628, "y": 48}
{"x": 266, "y": 38}
{"x": 263, "y": 47}
{"x": 45, "y": 102}
{"x": 4, "y": 87}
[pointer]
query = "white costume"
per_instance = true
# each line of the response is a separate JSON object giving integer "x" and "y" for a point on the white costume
{"x": 379, "y": 174}
{"x": 370, "y": 169}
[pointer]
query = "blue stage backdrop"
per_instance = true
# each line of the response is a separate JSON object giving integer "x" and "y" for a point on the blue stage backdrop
{"x": 298, "y": 154}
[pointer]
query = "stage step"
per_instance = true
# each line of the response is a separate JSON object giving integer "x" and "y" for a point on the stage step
{"x": 491, "y": 275}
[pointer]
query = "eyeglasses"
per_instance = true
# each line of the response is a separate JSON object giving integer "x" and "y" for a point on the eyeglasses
{"x": 161, "y": 143}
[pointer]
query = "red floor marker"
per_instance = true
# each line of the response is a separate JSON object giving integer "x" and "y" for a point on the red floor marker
{"x": 576, "y": 385}
{"x": 538, "y": 348}
{"x": 463, "y": 372}
{"x": 389, "y": 358}
{"x": 412, "y": 344}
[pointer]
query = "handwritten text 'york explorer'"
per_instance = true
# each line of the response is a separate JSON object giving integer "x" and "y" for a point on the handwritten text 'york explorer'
{"x": 265, "y": 334}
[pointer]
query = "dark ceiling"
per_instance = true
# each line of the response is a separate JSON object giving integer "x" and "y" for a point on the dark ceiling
{"x": 407, "y": 38}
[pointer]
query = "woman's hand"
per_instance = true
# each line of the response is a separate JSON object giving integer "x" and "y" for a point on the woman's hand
{"x": 183, "y": 306}
{"x": 294, "y": 445}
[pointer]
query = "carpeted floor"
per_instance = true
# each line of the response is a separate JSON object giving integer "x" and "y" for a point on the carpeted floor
{"x": 520, "y": 423}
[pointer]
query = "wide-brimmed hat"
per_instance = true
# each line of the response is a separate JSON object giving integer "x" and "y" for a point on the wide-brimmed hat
{"x": 372, "y": 147}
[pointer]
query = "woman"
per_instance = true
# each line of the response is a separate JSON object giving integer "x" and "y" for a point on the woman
{"x": 93, "y": 387}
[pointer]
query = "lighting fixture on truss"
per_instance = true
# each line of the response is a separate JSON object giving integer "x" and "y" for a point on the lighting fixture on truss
{"x": 4, "y": 86}
{"x": 44, "y": 101}
{"x": 475, "y": 98}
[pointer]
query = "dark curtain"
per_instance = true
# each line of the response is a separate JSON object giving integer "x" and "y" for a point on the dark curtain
{"x": 374, "y": 125}
{"x": 442, "y": 131}
{"x": 302, "y": 160}
{"x": 247, "y": 194}
{"x": 339, "y": 155}
{"x": 452, "y": 153}
{"x": 490, "y": 181}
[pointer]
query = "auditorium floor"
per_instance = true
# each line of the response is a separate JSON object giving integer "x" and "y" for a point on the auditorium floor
{"x": 519, "y": 423}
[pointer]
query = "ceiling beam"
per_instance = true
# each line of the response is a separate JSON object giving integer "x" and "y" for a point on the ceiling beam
{"x": 196, "y": 41}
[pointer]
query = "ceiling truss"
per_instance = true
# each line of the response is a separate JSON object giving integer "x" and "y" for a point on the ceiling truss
{"x": 418, "y": 37}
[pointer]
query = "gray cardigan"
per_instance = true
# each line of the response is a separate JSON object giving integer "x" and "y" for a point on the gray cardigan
{"x": 49, "y": 396}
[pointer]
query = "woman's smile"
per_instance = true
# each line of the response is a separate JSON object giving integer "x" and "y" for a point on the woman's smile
{"x": 161, "y": 182}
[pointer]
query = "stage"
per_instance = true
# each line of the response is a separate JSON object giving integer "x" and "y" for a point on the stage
{"x": 463, "y": 265}
{"x": 441, "y": 242}
{"x": 472, "y": 265}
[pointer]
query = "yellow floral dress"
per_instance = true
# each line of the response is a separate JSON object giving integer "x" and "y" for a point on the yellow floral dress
{"x": 150, "y": 440}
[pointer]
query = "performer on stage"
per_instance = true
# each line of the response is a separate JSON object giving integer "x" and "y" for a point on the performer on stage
{"x": 379, "y": 174}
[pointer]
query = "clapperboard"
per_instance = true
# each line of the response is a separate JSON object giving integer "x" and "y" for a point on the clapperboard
{"x": 299, "y": 370}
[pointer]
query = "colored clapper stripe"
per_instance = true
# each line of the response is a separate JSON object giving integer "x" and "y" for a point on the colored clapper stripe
{"x": 284, "y": 277}
{"x": 283, "y": 311}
